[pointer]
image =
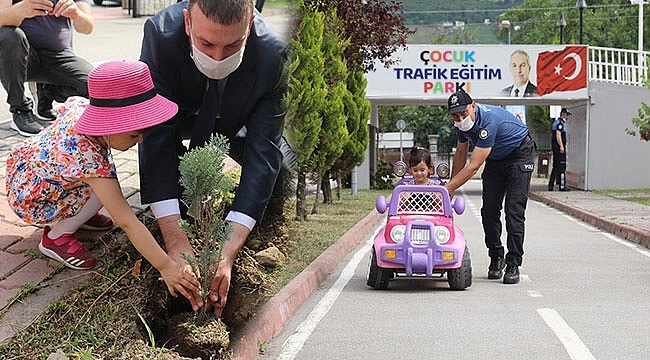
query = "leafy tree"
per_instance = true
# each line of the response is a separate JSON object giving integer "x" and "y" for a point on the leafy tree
{"x": 539, "y": 118}
{"x": 305, "y": 96}
{"x": 333, "y": 131}
{"x": 421, "y": 121}
{"x": 641, "y": 123}
{"x": 418, "y": 12}
{"x": 375, "y": 28}
{"x": 357, "y": 110}
{"x": 606, "y": 23}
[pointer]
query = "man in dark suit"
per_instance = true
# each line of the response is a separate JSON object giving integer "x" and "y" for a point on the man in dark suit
{"x": 520, "y": 71}
{"x": 221, "y": 62}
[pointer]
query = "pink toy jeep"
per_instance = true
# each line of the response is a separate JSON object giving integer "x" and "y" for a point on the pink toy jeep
{"x": 420, "y": 238}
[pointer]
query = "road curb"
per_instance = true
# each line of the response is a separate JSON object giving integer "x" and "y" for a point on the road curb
{"x": 278, "y": 310}
{"x": 627, "y": 232}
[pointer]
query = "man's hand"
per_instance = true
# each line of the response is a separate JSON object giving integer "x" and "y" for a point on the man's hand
{"x": 451, "y": 192}
{"x": 221, "y": 282}
{"x": 32, "y": 8}
{"x": 177, "y": 243}
{"x": 67, "y": 8}
{"x": 220, "y": 286}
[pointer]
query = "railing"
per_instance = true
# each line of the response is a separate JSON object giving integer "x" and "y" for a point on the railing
{"x": 618, "y": 66}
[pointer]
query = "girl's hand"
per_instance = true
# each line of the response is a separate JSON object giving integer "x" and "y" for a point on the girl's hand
{"x": 181, "y": 279}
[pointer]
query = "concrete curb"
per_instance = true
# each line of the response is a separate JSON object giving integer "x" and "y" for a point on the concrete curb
{"x": 277, "y": 311}
{"x": 627, "y": 232}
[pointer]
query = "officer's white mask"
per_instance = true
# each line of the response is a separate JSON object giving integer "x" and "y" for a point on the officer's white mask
{"x": 466, "y": 124}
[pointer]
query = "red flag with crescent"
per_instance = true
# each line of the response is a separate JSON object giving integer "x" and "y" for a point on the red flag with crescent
{"x": 563, "y": 70}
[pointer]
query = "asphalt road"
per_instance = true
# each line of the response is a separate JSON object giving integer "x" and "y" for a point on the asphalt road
{"x": 583, "y": 295}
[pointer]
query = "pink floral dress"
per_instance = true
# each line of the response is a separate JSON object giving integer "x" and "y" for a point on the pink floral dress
{"x": 43, "y": 172}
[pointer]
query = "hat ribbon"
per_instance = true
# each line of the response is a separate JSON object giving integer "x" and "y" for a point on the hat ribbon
{"x": 131, "y": 100}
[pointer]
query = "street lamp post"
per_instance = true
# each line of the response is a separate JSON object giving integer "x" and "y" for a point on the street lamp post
{"x": 641, "y": 57}
{"x": 581, "y": 4}
{"x": 561, "y": 23}
{"x": 506, "y": 24}
{"x": 401, "y": 124}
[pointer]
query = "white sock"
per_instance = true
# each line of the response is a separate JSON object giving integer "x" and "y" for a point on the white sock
{"x": 72, "y": 224}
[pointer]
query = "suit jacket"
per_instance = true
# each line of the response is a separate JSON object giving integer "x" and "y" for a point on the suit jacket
{"x": 251, "y": 100}
{"x": 531, "y": 90}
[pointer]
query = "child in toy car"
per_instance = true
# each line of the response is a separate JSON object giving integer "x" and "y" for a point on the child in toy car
{"x": 420, "y": 238}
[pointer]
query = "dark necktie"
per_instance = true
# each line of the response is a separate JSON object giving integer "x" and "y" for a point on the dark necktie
{"x": 516, "y": 92}
{"x": 207, "y": 116}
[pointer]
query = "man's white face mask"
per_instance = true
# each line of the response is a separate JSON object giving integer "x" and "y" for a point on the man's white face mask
{"x": 216, "y": 69}
{"x": 466, "y": 124}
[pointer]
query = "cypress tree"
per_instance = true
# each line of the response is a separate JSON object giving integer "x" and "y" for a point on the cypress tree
{"x": 305, "y": 96}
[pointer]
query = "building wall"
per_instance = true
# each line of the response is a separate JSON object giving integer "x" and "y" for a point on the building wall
{"x": 614, "y": 159}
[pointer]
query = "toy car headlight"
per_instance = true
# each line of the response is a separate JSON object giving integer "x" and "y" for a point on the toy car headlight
{"x": 397, "y": 233}
{"x": 443, "y": 170}
{"x": 400, "y": 168}
{"x": 442, "y": 234}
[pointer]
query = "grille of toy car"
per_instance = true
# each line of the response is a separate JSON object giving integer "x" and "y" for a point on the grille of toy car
{"x": 420, "y": 202}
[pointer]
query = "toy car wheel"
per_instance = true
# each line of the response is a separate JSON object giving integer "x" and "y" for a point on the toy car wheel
{"x": 377, "y": 277}
{"x": 461, "y": 278}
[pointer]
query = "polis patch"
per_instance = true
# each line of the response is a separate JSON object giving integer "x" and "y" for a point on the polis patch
{"x": 483, "y": 134}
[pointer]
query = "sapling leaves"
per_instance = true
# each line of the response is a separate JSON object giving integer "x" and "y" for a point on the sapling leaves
{"x": 207, "y": 190}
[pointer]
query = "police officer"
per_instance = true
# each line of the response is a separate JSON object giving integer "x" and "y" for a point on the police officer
{"x": 558, "y": 143}
{"x": 502, "y": 142}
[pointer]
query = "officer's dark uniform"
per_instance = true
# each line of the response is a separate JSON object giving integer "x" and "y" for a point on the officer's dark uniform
{"x": 506, "y": 174}
{"x": 558, "y": 174}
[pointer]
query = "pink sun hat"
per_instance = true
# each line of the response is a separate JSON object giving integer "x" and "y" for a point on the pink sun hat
{"x": 122, "y": 99}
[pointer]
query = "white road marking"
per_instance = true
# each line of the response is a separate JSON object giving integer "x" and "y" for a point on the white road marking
{"x": 534, "y": 293}
{"x": 476, "y": 211}
{"x": 295, "y": 342}
{"x": 572, "y": 343}
{"x": 616, "y": 239}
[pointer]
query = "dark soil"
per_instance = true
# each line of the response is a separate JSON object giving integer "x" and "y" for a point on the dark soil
{"x": 178, "y": 332}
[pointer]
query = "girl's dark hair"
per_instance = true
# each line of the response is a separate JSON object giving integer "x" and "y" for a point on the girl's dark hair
{"x": 419, "y": 154}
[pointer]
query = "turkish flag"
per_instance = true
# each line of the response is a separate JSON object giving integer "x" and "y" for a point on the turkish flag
{"x": 563, "y": 70}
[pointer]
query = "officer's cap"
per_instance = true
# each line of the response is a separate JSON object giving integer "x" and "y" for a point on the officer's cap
{"x": 458, "y": 101}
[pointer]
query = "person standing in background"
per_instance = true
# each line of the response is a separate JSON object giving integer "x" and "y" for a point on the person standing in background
{"x": 36, "y": 43}
{"x": 558, "y": 144}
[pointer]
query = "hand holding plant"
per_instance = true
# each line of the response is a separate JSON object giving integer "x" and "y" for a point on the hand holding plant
{"x": 179, "y": 279}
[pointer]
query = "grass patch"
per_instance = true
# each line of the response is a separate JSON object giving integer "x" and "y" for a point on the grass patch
{"x": 25, "y": 290}
{"x": 308, "y": 239}
{"x": 275, "y": 4}
{"x": 639, "y": 196}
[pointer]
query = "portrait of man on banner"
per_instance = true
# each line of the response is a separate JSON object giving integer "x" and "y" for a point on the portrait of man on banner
{"x": 520, "y": 68}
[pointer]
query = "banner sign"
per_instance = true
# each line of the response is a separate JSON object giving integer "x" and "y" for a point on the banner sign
{"x": 429, "y": 71}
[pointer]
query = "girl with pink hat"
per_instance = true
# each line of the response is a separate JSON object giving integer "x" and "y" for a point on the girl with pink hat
{"x": 62, "y": 176}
